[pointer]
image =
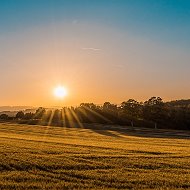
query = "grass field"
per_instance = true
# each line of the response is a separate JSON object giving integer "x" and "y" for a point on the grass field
{"x": 38, "y": 157}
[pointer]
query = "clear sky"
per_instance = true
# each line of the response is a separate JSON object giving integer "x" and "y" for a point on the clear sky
{"x": 100, "y": 50}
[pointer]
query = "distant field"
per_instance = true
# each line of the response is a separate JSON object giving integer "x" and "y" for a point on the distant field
{"x": 37, "y": 157}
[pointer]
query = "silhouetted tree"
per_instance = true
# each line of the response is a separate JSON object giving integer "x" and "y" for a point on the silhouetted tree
{"x": 20, "y": 115}
{"x": 174, "y": 114}
{"x": 110, "y": 111}
{"x": 153, "y": 110}
{"x": 4, "y": 117}
{"x": 47, "y": 117}
{"x": 57, "y": 117}
{"x": 28, "y": 116}
{"x": 131, "y": 109}
{"x": 39, "y": 113}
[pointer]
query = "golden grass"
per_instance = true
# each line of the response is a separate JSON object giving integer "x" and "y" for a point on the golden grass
{"x": 36, "y": 157}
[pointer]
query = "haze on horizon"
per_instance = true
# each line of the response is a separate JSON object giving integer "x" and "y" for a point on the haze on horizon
{"x": 104, "y": 50}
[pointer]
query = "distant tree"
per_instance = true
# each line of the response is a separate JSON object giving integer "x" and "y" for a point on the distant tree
{"x": 153, "y": 110}
{"x": 39, "y": 113}
{"x": 47, "y": 117}
{"x": 179, "y": 103}
{"x": 28, "y": 116}
{"x": 57, "y": 117}
{"x": 179, "y": 117}
{"x": 109, "y": 106}
{"x": 131, "y": 109}
{"x": 110, "y": 111}
{"x": 91, "y": 113}
{"x": 20, "y": 115}
{"x": 86, "y": 112}
{"x": 88, "y": 105}
{"x": 4, "y": 117}
{"x": 174, "y": 114}
{"x": 154, "y": 101}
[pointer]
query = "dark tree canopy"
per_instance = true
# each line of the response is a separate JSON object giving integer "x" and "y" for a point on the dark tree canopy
{"x": 152, "y": 113}
{"x": 20, "y": 115}
{"x": 4, "y": 116}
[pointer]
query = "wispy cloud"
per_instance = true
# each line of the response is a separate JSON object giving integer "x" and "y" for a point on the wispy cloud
{"x": 91, "y": 48}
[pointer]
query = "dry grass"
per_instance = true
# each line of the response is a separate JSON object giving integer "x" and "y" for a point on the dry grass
{"x": 36, "y": 157}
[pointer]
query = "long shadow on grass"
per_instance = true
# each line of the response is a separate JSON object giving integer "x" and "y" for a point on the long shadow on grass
{"x": 105, "y": 129}
{"x": 100, "y": 129}
{"x": 153, "y": 133}
{"x": 108, "y": 130}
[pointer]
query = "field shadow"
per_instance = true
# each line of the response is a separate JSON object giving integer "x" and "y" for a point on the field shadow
{"x": 109, "y": 130}
{"x": 121, "y": 131}
{"x": 96, "y": 128}
{"x": 154, "y": 133}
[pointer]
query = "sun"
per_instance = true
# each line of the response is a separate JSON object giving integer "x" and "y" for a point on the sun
{"x": 60, "y": 92}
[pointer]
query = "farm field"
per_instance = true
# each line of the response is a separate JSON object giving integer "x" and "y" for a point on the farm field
{"x": 40, "y": 157}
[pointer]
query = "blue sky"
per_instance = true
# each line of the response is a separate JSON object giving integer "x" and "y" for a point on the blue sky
{"x": 166, "y": 20}
{"x": 123, "y": 48}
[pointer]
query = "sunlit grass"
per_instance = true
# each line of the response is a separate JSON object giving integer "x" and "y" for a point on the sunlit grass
{"x": 39, "y": 157}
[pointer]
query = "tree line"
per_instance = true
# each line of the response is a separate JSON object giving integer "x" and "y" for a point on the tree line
{"x": 153, "y": 113}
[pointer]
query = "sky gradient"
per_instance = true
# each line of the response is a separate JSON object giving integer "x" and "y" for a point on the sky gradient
{"x": 100, "y": 50}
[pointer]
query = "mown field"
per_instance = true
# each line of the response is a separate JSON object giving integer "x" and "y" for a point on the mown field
{"x": 39, "y": 157}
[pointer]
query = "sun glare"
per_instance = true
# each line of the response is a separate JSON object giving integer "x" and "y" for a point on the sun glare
{"x": 60, "y": 92}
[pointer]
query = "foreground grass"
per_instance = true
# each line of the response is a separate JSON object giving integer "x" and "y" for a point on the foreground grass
{"x": 36, "y": 157}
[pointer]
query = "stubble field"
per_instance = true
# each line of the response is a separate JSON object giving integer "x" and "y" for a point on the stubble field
{"x": 39, "y": 157}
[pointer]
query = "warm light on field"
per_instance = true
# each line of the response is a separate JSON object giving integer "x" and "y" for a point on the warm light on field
{"x": 60, "y": 92}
